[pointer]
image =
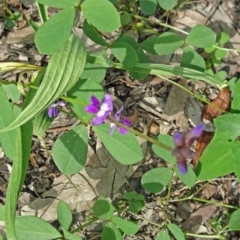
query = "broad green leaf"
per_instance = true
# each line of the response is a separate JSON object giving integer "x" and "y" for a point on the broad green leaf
{"x": 92, "y": 33}
{"x": 234, "y": 222}
{"x": 60, "y": 4}
{"x": 110, "y": 231}
{"x": 220, "y": 53}
{"x": 221, "y": 75}
{"x": 149, "y": 43}
{"x": 126, "y": 226}
{"x": 236, "y": 153}
{"x": 101, "y": 14}
{"x": 167, "y": 43}
{"x": 2, "y": 212}
{"x": 22, "y": 145}
{"x": 11, "y": 91}
{"x": 167, "y": 4}
{"x": 201, "y": 36}
{"x": 129, "y": 40}
{"x": 231, "y": 85}
{"x": 189, "y": 178}
{"x": 71, "y": 236}
{"x": 8, "y": 139}
{"x": 155, "y": 180}
{"x": 94, "y": 72}
{"x": 124, "y": 148}
{"x": 229, "y": 125}
{"x": 64, "y": 215}
{"x": 217, "y": 159}
{"x": 100, "y": 58}
{"x": 30, "y": 227}
{"x": 103, "y": 209}
{"x": 81, "y": 93}
{"x": 224, "y": 37}
{"x": 137, "y": 204}
{"x": 130, "y": 195}
{"x": 55, "y": 32}
{"x": 191, "y": 59}
{"x": 70, "y": 150}
{"x": 63, "y": 71}
{"x": 148, "y": 7}
{"x": 141, "y": 59}
{"x": 235, "y": 106}
{"x": 209, "y": 49}
{"x": 163, "y": 153}
{"x": 125, "y": 18}
{"x": 176, "y": 231}
{"x": 124, "y": 53}
{"x": 163, "y": 235}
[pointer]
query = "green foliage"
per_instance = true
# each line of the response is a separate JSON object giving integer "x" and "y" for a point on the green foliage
{"x": 103, "y": 209}
{"x": 163, "y": 235}
{"x": 176, "y": 231}
{"x": 64, "y": 215}
{"x": 126, "y": 226}
{"x": 72, "y": 146}
{"x": 110, "y": 231}
{"x": 148, "y": 7}
{"x": 167, "y": 4}
{"x": 234, "y": 222}
{"x": 60, "y": 4}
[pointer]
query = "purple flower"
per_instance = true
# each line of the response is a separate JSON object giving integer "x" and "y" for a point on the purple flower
{"x": 122, "y": 120}
{"x": 52, "y": 109}
{"x": 100, "y": 109}
{"x": 182, "y": 144}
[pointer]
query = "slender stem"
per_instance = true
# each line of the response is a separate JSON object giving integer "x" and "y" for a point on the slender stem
{"x": 85, "y": 225}
{"x": 205, "y": 236}
{"x": 170, "y": 185}
{"x": 226, "y": 49}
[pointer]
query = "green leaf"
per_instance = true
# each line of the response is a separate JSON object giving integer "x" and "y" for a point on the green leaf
{"x": 94, "y": 72}
{"x": 137, "y": 204}
{"x": 155, "y": 180}
{"x": 60, "y": 4}
{"x": 189, "y": 178}
{"x": 22, "y": 147}
{"x": 125, "y": 18}
{"x": 217, "y": 159}
{"x": 201, "y": 36}
{"x": 167, "y": 43}
{"x": 70, "y": 150}
{"x": 163, "y": 235}
{"x": 221, "y": 75}
{"x": 110, "y": 231}
{"x": 126, "y": 226}
{"x": 124, "y": 148}
{"x": 167, "y": 4}
{"x": 129, "y": 195}
{"x": 11, "y": 91}
{"x": 191, "y": 59}
{"x": 63, "y": 71}
{"x": 231, "y": 85}
{"x": 148, "y": 7}
{"x": 30, "y": 227}
{"x": 220, "y": 53}
{"x": 235, "y": 106}
{"x": 234, "y": 222}
{"x": 224, "y": 37}
{"x": 148, "y": 44}
{"x": 103, "y": 209}
{"x": 92, "y": 33}
{"x": 8, "y": 139}
{"x": 101, "y": 14}
{"x": 71, "y": 236}
{"x": 163, "y": 153}
{"x": 55, "y": 32}
{"x": 64, "y": 215}
{"x": 141, "y": 59}
{"x": 209, "y": 49}
{"x": 124, "y": 53}
{"x": 236, "y": 152}
{"x": 41, "y": 123}
{"x": 229, "y": 125}
{"x": 176, "y": 231}
{"x": 129, "y": 40}
{"x": 81, "y": 93}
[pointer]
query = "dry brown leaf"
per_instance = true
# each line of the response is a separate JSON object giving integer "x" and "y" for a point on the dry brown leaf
{"x": 218, "y": 106}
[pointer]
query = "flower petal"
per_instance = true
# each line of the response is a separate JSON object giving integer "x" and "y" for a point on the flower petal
{"x": 52, "y": 112}
{"x": 107, "y": 104}
{"x": 91, "y": 108}
{"x": 178, "y": 139}
{"x": 100, "y": 117}
{"x": 182, "y": 166}
{"x": 118, "y": 113}
{"x": 122, "y": 130}
{"x": 194, "y": 134}
{"x": 95, "y": 101}
{"x": 60, "y": 104}
{"x": 112, "y": 127}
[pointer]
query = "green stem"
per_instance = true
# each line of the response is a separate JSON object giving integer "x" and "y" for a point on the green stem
{"x": 85, "y": 225}
{"x": 205, "y": 236}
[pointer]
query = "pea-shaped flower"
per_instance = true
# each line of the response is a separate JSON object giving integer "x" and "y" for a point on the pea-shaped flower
{"x": 183, "y": 143}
